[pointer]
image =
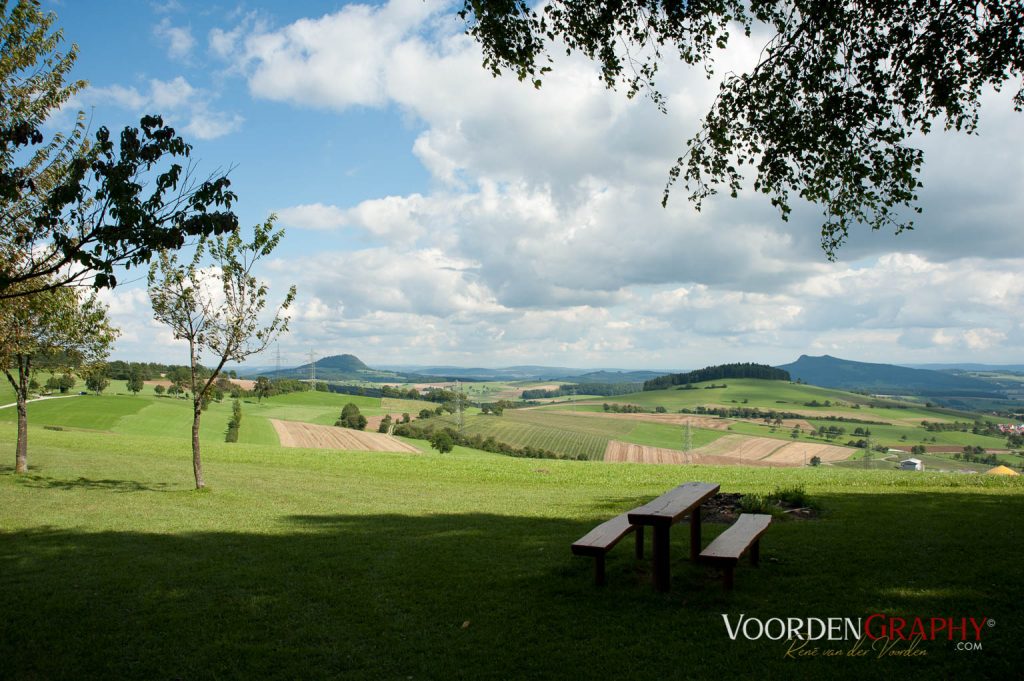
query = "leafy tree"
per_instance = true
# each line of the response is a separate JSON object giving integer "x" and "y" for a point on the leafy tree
{"x": 263, "y": 388}
{"x": 442, "y": 441}
{"x": 815, "y": 460}
{"x": 57, "y": 329}
{"x": 385, "y": 424}
{"x": 830, "y": 110}
{"x": 135, "y": 382}
{"x": 216, "y": 306}
{"x": 351, "y": 417}
{"x": 159, "y": 389}
{"x": 405, "y": 417}
{"x": 96, "y": 379}
{"x": 72, "y": 210}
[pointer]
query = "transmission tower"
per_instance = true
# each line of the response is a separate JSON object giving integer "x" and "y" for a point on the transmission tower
{"x": 312, "y": 368}
{"x": 687, "y": 439}
{"x": 278, "y": 368}
{"x": 458, "y": 399}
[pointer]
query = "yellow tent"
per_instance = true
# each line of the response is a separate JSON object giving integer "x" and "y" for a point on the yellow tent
{"x": 1001, "y": 470}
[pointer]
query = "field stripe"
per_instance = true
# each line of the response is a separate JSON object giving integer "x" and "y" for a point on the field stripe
{"x": 310, "y": 435}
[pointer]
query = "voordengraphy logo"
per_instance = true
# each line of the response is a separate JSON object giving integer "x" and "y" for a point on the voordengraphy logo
{"x": 878, "y": 634}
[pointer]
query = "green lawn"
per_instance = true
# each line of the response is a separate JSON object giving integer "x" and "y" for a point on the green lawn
{"x": 306, "y": 564}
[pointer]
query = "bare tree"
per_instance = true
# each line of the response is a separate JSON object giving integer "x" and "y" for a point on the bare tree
{"x": 216, "y": 303}
{"x": 59, "y": 329}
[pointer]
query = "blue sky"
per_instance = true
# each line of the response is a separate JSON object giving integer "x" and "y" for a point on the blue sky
{"x": 437, "y": 215}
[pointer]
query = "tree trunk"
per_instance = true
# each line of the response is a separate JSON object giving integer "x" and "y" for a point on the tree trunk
{"x": 21, "y": 450}
{"x": 197, "y": 463}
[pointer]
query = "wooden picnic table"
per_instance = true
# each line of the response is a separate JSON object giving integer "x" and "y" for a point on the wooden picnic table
{"x": 664, "y": 512}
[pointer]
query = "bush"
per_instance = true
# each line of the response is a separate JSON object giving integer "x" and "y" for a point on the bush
{"x": 442, "y": 441}
{"x": 794, "y": 496}
{"x": 351, "y": 418}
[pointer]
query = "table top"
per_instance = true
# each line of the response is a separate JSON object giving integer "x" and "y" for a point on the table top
{"x": 674, "y": 504}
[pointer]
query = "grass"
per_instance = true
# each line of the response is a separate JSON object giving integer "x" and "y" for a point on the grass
{"x": 301, "y": 564}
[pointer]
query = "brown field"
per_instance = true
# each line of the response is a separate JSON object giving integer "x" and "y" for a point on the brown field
{"x": 626, "y": 452}
{"x": 731, "y": 450}
{"x": 373, "y": 422}
{"x": 298, "y": 434}
{"x": 801, "y": 452}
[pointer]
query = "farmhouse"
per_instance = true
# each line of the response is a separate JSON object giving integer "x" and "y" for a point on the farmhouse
{"x": 911, "y": 465}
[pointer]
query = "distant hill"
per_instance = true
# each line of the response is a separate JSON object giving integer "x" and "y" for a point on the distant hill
{"x": 970, "y": 366}
{"x": 343, "y": 368}
{"x": 833, "y": 372}
{"x": 720, "y": 371}
{"x": 606, "y": 376}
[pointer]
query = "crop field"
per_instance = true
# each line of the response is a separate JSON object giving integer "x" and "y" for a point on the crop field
{"x": 293, "y": 564}
{"x": 777, "y": 395}
{"x": 581, "y": 435}
{"x": 307, "y": 435}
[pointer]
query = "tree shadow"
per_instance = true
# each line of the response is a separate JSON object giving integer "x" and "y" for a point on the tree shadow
{"x": 109, "y": 485}
{"x": 479, "y": 595}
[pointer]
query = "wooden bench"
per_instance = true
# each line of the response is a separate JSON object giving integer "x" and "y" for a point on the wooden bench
{"x": 600, "y": 540}
{"x": 725, "y": 551}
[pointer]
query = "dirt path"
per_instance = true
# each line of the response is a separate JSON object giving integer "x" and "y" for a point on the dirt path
{"x": 38, "y": 399}
{"x": 298, "y": 434}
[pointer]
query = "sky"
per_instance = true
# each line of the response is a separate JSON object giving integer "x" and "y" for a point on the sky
{"x": 437, "y": 215}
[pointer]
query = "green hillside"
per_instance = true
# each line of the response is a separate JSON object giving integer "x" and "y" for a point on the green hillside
{"x": 304, "y": 564}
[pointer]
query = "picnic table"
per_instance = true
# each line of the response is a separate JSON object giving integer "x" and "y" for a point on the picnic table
{"x": 664, "y": 512}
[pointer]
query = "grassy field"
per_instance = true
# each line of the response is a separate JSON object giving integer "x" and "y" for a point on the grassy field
{"x": 575, "y": 436}
{"x": 117, "y": 411}
{"x": 306, "y": 564}
{"x": 778, "y": 395}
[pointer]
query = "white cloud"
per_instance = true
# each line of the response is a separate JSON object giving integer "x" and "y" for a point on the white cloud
{"x": 178, "y": 39}
{"x": 542, "y": 235}
{"x": 176, "y": 99}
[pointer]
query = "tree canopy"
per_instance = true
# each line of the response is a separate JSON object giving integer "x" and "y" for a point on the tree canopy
{"x": 828, "y": 113}
{"x": 73, "y": 209}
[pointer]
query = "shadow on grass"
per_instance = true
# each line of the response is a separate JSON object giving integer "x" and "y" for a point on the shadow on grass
{"x": 489, "y": 596}
{"x": 41, "y": 481}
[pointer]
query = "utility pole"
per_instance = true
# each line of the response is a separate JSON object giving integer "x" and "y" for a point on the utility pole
{"x": 687, "y": 440}
{"x": 458, "y": 399}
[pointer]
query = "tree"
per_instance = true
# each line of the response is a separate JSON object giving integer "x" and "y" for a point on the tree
{"x": 385, "y": 424}
{"x": 135, "y": 382}
{"x": 234, "y": 423}
{"x": 96, "y": 379}
{"x": 56, "y": 329}
{"x": 159, "y": 389}
{"x": 442, "y": 441}
{"x": 830, "y": 110}
{"x": 815, "y": 460}
{"x": 351, "y": 417}
{"x": 72, "y": 210}
{"x": 214, "y": 303}
{"x": 263, "y": 388}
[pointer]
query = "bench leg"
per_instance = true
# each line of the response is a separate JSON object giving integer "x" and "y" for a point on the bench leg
{"x": 755, "y": 553}
{"x": 599, "y": 570}
{"x": 660, "y": 557}
{"x": 727, "y": 571}
{"x": 695, "y": 534}
{"x": 639, "y": 541}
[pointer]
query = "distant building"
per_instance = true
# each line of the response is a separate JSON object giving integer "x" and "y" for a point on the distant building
{"x": 911, "y": 465}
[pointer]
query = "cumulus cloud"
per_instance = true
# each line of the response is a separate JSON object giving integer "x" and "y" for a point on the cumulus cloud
{"x": 178, "y": 39}
{"x": 542, "y": 235}
{"x": 176, "y": 99}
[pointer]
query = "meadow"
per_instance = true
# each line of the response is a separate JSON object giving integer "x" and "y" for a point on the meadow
{"x": 312, "y": 564}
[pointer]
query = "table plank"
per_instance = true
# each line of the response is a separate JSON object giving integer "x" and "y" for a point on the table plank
{"x": 674, "y": 504}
